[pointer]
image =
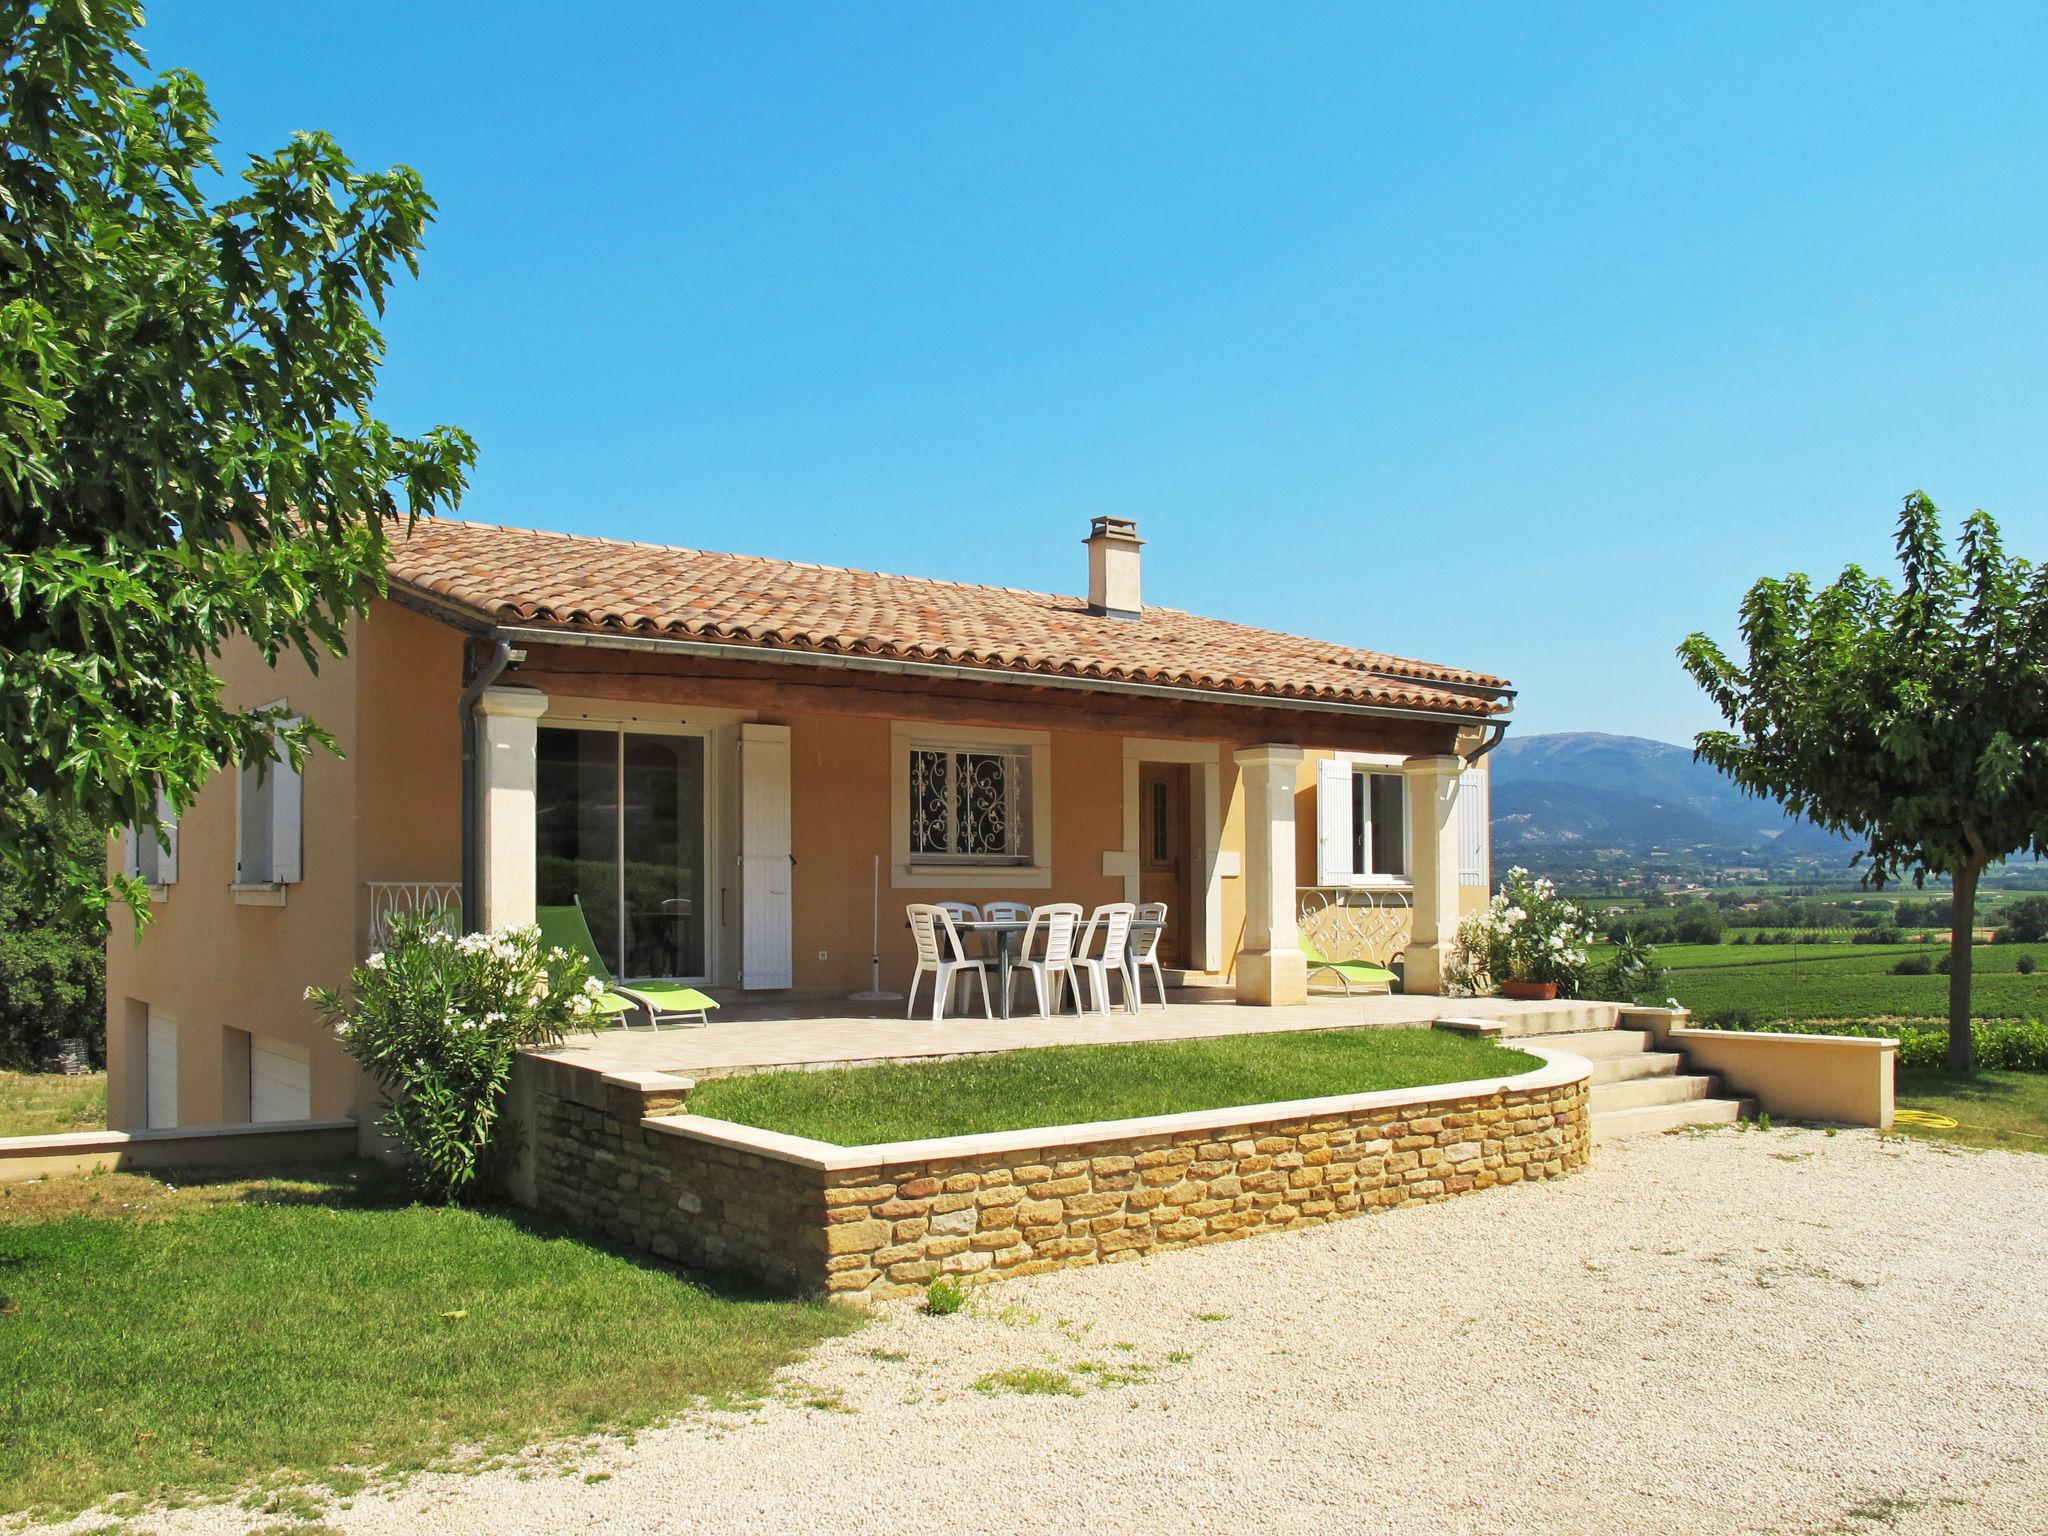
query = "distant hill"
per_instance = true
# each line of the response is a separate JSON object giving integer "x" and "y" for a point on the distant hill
{"x": 1579, "y": 795}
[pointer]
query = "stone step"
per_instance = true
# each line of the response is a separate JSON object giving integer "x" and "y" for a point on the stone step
{"x": 1654, "y": 1119}
{"x": 1640, "y": 1064}
{"x": 1514, "y": 1020}
{"x": 1597, "y": 1044}
{"x": 1644, "y": 1092}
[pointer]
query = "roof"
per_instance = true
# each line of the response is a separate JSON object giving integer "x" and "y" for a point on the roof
{"x": 570, "y": 582}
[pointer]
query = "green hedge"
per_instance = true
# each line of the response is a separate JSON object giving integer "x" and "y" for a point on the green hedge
{"x": 2003, "y": 1045}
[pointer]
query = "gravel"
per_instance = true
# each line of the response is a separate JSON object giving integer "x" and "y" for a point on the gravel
{"x": 1740, "y": 1331}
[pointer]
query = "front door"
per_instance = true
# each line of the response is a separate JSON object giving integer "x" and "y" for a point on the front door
{"x": 1163, "y": 862}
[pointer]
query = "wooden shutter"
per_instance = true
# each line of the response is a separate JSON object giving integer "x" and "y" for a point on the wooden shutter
{"x": 1333, "y": 823}
{"x": 160, "y": 1074}
{"x": 1474, "y": 834}
{"x": 280, "y": 1080}
{"x": 766, "y": 940}
{"x": 167, "y": 851}
{"x": 286, "y": 819}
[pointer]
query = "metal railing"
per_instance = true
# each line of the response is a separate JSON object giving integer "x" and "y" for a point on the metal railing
{"x": 441, "y": 899}
{"x": 1355, "y": 923}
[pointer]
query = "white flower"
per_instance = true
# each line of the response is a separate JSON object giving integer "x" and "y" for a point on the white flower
{"x": 582, "y": 1007}
{"x": 341, "y": 1028}
{"x": 312, "y": 994}
{"x": 592, "y": 987}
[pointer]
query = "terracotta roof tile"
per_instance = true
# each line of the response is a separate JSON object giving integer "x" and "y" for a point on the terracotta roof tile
{"x": 569, "y": 581}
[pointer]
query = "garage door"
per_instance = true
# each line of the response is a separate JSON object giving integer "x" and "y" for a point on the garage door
{"x": 280, "y": 1080}
{"x": 160, "y": 1067}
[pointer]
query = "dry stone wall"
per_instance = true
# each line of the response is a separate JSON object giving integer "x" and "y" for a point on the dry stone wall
{"x": 620, "y": 1155}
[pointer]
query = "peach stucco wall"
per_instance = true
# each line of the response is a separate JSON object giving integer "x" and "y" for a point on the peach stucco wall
{"x": 384, "y": 807}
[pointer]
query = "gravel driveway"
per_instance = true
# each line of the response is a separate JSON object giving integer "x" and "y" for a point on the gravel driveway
{"x": 1778, "y": 1331}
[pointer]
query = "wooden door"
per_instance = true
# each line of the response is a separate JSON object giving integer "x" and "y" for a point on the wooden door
{"x": 1165, "y": 864}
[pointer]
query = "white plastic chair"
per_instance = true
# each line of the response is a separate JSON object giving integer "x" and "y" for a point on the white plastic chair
{"x": 1055, "y": 926}
{"x": 1006, "y": 911}
{"x": 1113, "y": 921}
{"x": 1145, "y": 949}
{"x": 939, "y": 951}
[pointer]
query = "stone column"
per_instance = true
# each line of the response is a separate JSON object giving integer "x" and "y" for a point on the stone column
{"x": 1433, "y": 845}
{"x": 507, "y": 774}
{"x": 1270, "y": 968}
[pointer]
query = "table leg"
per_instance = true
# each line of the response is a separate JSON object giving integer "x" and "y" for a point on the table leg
{"x": 1003, "y": 966}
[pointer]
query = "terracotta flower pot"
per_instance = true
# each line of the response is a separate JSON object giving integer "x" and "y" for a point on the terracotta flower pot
{"x": 1529, "y": 991}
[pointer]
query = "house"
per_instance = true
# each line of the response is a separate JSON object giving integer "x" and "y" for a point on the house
{"x": 723, "y": 757}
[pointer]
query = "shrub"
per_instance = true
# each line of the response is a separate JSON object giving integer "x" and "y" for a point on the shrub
{"x": 1945, "y": 965}
{"x": 436, "y": 1020}
{"x": 2024, "y": 965}
{"x": 2003, "y": 1045}
{"x": 1912, "y": 965}
{"x": 1884, "y": 933}
{"x": 1632, "y": 976}
{"x": 1526, "y": 933}
{"x": 944, "y": 1296}
{"x": 2027, "y": 919}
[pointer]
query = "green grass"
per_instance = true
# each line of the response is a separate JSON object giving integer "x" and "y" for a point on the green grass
{"x": 1068, "y": 1084}
{"x": 1991, "y": 1109}
{"x": 175, "y": 1342}
{"x": 49, "y": 1103}
{"x": 1846, "y": 981}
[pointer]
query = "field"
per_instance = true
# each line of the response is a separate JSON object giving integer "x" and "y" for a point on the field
{"x": 1845, "y": 981}
{"x": 46, "y": 1104}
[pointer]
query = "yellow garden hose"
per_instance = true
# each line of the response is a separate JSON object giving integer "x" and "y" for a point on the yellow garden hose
{"x": 1925, "y": 1117}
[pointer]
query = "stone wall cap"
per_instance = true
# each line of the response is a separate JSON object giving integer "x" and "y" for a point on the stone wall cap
{"x": 1559, "y": 1069}
{"x": 88, "y": 1141}
{"x": 1849, "y": 1042}
{"x": 650, "y": 1082}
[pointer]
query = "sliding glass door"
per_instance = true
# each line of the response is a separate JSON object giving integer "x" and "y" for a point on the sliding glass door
{"x": 620, "y": 830}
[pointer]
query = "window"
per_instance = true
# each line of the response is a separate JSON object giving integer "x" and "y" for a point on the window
{"x": 1361, "y": 823}
{"x": 620, "y": 831}
{"x": 1379, "y": 825}
{"x": 267, "y": 820}
{"x": 151, "y": 854}
{"x": 969, "y": 804}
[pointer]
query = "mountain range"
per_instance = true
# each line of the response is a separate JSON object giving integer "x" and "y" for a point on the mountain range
{"x": 1580, "y": 793}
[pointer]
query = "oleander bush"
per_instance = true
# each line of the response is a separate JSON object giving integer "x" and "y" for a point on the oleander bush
{"x": 436, "y": 1020}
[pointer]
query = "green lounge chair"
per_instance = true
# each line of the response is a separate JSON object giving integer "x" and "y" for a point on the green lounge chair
{"x": 1349, "y": 973}
{"x": 568, "y": 928}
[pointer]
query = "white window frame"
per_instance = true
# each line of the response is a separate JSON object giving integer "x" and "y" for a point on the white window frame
{"x": 1029, "y": 869}
{"x": 279, "y": 780}
{"x": 1362, "y": 763}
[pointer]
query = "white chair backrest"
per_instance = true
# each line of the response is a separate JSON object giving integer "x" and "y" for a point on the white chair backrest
{"x": 1057, "y": 922}
{"x": 1113, "y": 919}
{"x": 1006, "y": 911}
{"x": 925, "y": 922}
{"x": 960, "y": 911}
{"x": 1145, "y": 940}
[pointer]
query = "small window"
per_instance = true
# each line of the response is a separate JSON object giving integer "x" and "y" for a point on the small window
{"x": 151, "y": 854}
{"x": 1162, "y": 842}
{"x": 267, "y": 821}
{"x": 1379, "y": 825}
{"x": 969, "y": 805}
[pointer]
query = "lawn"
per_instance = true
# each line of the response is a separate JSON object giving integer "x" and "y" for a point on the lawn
{"x": 1069, "y": 1084}
{"x": 1846, "y": 981}
{"x": 168, "y": 1341}
{"x": 47, "y": 1103}
{"x": 1991, "y": 1109}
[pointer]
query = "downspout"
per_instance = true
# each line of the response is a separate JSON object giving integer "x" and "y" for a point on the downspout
{"x": 501, "y": 658}
{"x": 1500, "y": 730}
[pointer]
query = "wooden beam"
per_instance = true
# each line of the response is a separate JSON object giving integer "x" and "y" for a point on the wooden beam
{"x": 772, "y": 689}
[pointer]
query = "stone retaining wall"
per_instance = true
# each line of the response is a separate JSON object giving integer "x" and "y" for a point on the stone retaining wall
{"x": 618, "y": 1154}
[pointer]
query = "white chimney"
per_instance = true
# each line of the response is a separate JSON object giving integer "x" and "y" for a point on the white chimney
{"x": 1113, "y": 546}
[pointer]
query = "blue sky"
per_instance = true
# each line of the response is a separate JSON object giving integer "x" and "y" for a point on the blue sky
{"x": 1521, "y": 336}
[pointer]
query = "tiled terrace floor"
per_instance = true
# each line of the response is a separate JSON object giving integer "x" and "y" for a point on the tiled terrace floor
{"x": 748, "y": 1036}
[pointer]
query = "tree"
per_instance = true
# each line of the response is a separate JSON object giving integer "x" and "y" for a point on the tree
{"x": 53, "y": 962}
{"x": 1914, "y": 718}
{"x": 2026, "y": 920}
{"x": 187, "y": 446}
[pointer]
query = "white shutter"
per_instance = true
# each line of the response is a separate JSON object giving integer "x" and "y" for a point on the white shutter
{"x": 286, "y": 816}
{"x": 1474, "y": 834}
{"x": 167, "y": 851}
{"x": 160, "y": 1074}
{"x": 131, "y": 853}
{"x": 766, "y": 941}
{"x": 280, "y": 1080}
{"x": 1333, "y": 823}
